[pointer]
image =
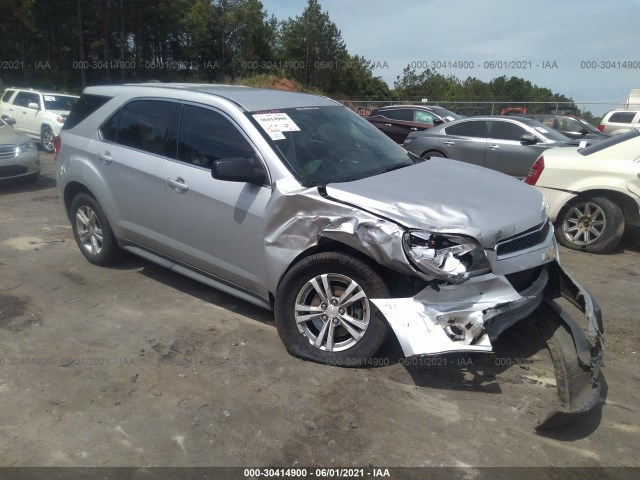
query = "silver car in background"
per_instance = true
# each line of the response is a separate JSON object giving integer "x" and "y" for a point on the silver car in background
{"x": 507, "y": 144}
{"x": 294, "y": 203}
{"x": 19, "y": 159}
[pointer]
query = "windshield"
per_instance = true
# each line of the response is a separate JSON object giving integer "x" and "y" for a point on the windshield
{"x": 59, "y": 102}
{"x": 448, "y": 114}
{"x": 548, "y": 132}
{"x": 323, "y": 145}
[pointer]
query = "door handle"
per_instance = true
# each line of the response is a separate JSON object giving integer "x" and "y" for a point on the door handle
{"x": 178, "y": 184}
{"x": 494, "y": 147}
{"x": 387, "y": 124}
{"x": 449, "y": 142}
{"x": 105, "y": 158}
{"x": 414, "y": 129}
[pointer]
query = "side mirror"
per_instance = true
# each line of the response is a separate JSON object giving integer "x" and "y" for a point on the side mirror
{"x": 239, "y": 169}
{"x": 9, "y": 120}
{"x": 437, "y": 121}
{"x": 528, "y": 139}
{"x": 583, "y": 131}
{"x": 34, "y": 105}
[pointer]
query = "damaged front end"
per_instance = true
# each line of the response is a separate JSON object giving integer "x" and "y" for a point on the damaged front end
{"x": 468, "y": 317}
{"x": 475, "y": 281}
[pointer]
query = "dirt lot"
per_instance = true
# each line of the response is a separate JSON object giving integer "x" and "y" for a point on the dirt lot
{"x": 137, "y": 365}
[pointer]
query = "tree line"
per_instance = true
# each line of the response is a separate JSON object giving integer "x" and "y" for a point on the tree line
{"x": 68, "y": 44}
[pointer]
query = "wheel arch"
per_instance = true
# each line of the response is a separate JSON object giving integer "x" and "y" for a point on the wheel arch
{"x": 399, "y": 284}
{"x": 627, "y": 204}
{"x": 433, "y": 150}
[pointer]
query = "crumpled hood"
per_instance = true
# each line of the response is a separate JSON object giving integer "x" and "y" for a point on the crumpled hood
{"x": 448, "y": 196}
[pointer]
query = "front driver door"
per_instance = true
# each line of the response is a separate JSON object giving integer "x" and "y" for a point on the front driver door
{"x": 216, "y": 227}
{"x": 507, "y": 153}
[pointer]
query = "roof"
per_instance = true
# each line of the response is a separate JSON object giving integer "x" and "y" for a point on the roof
{"x": 250, "y": 99}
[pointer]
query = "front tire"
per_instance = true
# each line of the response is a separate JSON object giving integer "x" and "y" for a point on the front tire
{"x": 323, "y": 310}
{"x": 592, "y": 224}
{"x": 92, "y": 231}
{"x": 46, "y": 139}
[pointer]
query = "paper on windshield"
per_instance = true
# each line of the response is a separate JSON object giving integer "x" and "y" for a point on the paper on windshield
{"x": 49, "y": 98}
{"x": 276, "y": 123}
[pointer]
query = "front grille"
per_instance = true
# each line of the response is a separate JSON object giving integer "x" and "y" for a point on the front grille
{"x": 12, "y": 171}
{"x": 530, "y": 238}
{"x": 7, "y": 151}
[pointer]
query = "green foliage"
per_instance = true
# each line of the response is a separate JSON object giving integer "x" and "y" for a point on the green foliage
{"x": 67, "y": 44}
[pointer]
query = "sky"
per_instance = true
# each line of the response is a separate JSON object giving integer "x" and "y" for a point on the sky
{"x": 577, "y": 48}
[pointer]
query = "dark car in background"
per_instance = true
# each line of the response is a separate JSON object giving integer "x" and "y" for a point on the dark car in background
{"x": 508, "y": 144}
{"x": 570, "y": 126}
{"x": 398, "y": 121}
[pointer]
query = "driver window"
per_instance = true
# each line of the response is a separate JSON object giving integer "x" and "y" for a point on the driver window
{"x": 421, "y": 116}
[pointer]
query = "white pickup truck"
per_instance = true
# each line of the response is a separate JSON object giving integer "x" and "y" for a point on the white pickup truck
{"x": 38, "y": 114}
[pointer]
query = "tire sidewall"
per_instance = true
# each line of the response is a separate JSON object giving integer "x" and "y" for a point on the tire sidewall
{"x": 297, "y": 343}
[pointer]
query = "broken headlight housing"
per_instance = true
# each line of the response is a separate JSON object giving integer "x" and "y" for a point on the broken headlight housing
{"x": 452, "y": 258}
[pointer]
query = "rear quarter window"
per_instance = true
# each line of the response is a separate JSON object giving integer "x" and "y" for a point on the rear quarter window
{"x": 83, "y": 108}
{"x": 622, "y": 117}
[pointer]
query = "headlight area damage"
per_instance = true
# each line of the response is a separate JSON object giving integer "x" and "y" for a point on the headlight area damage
{"x": 473, "y": 293}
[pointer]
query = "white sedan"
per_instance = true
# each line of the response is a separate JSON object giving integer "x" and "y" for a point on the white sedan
{"x": 592, "y": 193}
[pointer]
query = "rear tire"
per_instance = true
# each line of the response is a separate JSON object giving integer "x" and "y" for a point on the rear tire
{"x": 46, "y": 139}
{"x": 591, "y": 224}
{"x": 323, "y": 310}
{"x": 92, "y": 231}
{"x": 433, "y": 153}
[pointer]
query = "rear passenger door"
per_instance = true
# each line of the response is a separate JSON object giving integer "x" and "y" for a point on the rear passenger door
{"x": 465, "y": 141}
{"x": 129, "y": 160}
{"x": 216, "y": 227}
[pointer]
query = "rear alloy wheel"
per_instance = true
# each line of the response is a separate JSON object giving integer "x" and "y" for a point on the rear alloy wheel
{"x": 92, "y": 231}
{"x": 46, "y": 138}
{"x": 324, "y": 313}
{"x": 593, "y": 224}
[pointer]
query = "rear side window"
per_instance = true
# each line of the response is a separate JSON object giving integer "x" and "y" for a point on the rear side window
{"x": 7, "y": 95}
{"x": 622, "y": 117}
{"x": 474, "y": 128}
{"x": 400, "y": 114}
{"x": 83, "y": 108}
{"x": 141, "y": 124}
{"x": 206, "y": 136}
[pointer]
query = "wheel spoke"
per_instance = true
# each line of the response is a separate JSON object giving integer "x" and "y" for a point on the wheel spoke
{"x": 98, "y": 234}
{"x": 84, "y": 236}
{"x": 578, "y": 212}
{"x": 321, "y": 335}
{"x": 306, "y": 318}
{"x": 352, "y": 286}
{"x": 330, "y": 339}
{"x": 95, "y": 248}
{"x": 587, "y": 236}
{"x": 353, "y": 321}
{"x": 572, "y": 229}
{"x": 319, "y": 290}
{"x": 353, "y": 298}
{"x": 82, "y": 216}
{"x": 355, "y": 334}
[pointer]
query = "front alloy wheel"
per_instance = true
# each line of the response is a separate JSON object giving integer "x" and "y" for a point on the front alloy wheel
{"x": 332, "y": 311}
{"x": 593, "y": 224}
{"x": 323, "y": 309}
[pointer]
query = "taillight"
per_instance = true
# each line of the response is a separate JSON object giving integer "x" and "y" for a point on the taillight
{"x": 535, "y": 172}
{"x": 57, "y": 143}
{"x": 601, "y": 128}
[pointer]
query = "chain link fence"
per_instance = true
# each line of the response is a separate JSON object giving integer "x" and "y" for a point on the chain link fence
{"x": 471, "y": 108}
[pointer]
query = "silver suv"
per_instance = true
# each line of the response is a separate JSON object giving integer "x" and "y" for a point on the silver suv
{"x": 294, "y": 203}
{"x": 620, "y": 121}
{"x": 38, "y": 114}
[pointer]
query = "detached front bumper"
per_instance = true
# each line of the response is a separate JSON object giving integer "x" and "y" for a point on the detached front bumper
{"x": 468, "y": 317}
